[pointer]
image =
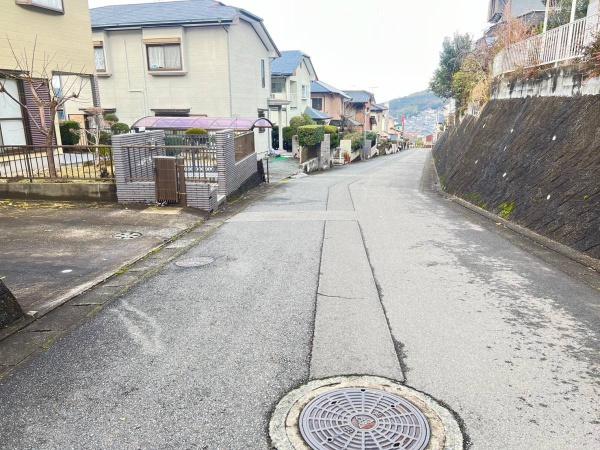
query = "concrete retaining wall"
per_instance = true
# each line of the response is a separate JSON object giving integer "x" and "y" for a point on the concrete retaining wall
{"x": 559, "y": 82}
{"x": 97, "y": 192}
{"x": 535, "y": 161}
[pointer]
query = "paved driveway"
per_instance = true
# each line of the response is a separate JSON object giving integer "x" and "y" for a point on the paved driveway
{"x": 52, "y": 249}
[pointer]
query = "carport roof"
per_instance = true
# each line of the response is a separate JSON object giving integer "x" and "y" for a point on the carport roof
{"x": 206, "y": 123}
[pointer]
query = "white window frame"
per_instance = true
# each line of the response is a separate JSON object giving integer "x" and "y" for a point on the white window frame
{"x": 44, "y": 4}
{"x": 275, "y": 82}
{"x": 21, "y": 118}
{"x": 263, "y": 73}
{"x": 164, "y": 69}
{"x": 100, "y": 47}
{"x": 305, "y": 92}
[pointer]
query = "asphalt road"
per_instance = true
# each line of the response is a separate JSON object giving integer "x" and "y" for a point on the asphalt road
{"x": 357, "y": 270}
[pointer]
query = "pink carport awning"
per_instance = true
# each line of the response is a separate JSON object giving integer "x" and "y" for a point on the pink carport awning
{"x": 206, "y": 123}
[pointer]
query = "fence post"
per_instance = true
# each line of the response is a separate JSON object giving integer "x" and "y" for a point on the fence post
{"x": 225, "y": 142}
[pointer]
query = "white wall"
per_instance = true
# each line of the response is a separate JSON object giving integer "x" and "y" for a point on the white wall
{"x": 203, "y": 85}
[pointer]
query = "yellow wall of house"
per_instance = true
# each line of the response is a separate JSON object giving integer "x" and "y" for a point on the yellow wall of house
{"x": 65, "y": 38}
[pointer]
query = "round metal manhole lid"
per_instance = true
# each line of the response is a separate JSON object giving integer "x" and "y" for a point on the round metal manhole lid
{"x": 195, "y": 262}
{"x": 127, "y": 235}
{"x": 363, "y": 419}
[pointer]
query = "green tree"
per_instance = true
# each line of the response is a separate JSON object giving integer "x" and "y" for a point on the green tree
{"x": 562, "y": 13}
{"x": 454, "y": 52}
{"x": 69, "y": 132}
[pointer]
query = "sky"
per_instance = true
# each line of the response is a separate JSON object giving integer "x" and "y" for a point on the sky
{"x": 389, "y": 47}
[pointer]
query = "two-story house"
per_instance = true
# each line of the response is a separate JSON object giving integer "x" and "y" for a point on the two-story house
{"x": 330, "y": 101}
{"x": 359, "y": 107}
{"x": 182, "y": 58}
{"x": 291, "y": 77}
{"x": 52, "y": 40}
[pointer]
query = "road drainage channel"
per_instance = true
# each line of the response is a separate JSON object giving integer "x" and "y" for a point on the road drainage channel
{"x": 362, "y": 413}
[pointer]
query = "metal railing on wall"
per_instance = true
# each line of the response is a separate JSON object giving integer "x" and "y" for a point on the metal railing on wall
{"x": 560, "y": 44}
{"x": 199, "y": 162}
{"x": 66, "y": 162}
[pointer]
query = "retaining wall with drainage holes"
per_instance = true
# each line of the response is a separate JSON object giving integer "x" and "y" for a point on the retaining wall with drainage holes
{"x": 534, "y": 161}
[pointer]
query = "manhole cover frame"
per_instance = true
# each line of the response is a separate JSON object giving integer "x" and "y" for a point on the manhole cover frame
{"x": 355, "y": 417}
{"x": 284, "y": 430}
{"x": 127, "y": 235}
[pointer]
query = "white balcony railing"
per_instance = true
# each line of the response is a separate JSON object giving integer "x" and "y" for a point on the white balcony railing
{"x": 559, "y": 44}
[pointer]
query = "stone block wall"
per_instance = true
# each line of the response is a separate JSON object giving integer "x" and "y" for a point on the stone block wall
{"x": 128, "y": 191}
{"x": 535, "y": 161}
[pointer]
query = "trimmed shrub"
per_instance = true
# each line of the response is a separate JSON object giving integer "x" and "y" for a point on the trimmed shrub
{"x": 372, "y": 136}
{"x": 119, "y": 128}
{"x": 356, "y": 138}
{"x": 300, "y": 121}
{"x": 334, "y": 133}
{"x": 310, "y": 135}
{"x": 69, "y": 132}
{"x": 196, "y": 131}
{"x": 111, "y": 118}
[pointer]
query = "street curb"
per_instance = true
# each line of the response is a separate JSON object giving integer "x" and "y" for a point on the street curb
{"x": 548, "y": 243}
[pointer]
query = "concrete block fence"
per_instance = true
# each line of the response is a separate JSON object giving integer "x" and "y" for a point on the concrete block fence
{"x": 202, "y": 195}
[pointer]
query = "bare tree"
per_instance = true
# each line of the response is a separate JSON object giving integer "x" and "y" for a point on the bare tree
{"x": 37, "y": 76}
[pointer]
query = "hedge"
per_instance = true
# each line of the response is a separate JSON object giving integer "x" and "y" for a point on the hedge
{"x": 196, "y": 131}
{"x": 310, "y": 135}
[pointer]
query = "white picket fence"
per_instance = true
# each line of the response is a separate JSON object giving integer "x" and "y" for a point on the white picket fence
{"x": 559, "y": 44}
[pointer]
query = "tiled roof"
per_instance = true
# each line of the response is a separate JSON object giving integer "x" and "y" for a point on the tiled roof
{"x": 316, "y": 115}
{"x": 319, "y": 87}
{"x": 175, "y": 12}
{"x": 360, "y": 96}
{"x": 287, "y": 63}
{"x": 378, "y": 107}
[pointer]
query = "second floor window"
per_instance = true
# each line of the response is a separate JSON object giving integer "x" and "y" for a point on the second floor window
{"x": 100, "y": 58}
{"x": 164, "y": 57}
{"x": 263, "y": 73}
{"x": 317, "y": 103}
{"x": 278, "y": 85}
{"x": 304, "y": 91}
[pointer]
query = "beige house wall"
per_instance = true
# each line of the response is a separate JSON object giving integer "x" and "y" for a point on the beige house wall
{"x": 66, "y": 37}
{"x": 333, "y": 105}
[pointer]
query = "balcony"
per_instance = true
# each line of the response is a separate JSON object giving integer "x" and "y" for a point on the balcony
{"x": 278, "y": 99}
{"x": 560, "y": 44}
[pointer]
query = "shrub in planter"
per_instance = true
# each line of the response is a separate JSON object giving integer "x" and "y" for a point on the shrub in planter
{"x": 69, "y": 132}
{"x": 372, "y": 136}
{"x": 196, "y": 131}
{"x": 356, "y": 138}
{"x": 119, "y": 128}
{"x": 310, "y": 135}
{"x": 333, "y": 132}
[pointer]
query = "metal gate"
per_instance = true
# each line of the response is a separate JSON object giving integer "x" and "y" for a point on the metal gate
{"x": 170, "y": 179}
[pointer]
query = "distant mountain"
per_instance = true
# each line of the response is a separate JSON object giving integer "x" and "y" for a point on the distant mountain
{"x": 413, "y": 104}
{"x": 422, "y": 111}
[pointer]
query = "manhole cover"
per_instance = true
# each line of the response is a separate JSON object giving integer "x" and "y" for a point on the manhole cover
{"x": 195, "y": 262}
{"x": 128, "y": 235}
{"x": 363, "y": 419}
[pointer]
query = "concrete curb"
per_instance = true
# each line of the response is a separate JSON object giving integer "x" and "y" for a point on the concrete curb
{"x": 557, "y": 247}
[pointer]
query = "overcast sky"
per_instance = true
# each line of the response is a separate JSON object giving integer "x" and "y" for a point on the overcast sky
{"x": 389, "y": 47}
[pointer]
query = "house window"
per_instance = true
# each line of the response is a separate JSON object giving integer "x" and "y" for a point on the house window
{"x": 263, "y": 73}
{"x": 12, "y": 127}
{"x": 304, "y": 92}
{"x": 55, "y": 5}
{"x": 278, "y": 85}
{"x": 317, "y": 103}
{"x": 262, "y": 113}
{"x": 164, "y": 57}
{"x": 100, "y": 58}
